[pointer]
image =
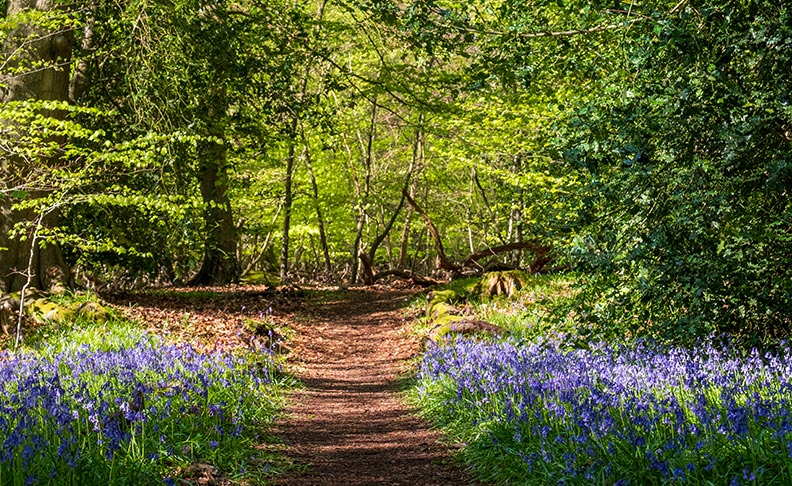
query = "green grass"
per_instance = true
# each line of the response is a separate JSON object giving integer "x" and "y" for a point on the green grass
{"x": 533, "y": 312}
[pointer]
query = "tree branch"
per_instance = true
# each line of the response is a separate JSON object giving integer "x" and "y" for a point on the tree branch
{"x": 438, "y": 242}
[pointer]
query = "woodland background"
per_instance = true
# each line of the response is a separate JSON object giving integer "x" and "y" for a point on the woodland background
{"x": 645, "y": 145}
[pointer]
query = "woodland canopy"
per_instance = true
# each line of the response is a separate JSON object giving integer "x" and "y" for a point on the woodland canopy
{"x": 644, "y": 145}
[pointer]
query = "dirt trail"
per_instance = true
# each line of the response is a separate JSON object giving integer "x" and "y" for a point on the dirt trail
{"x": 348, "y": 426}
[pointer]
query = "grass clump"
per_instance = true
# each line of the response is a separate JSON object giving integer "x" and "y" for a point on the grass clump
{"x": 531, "y": 312}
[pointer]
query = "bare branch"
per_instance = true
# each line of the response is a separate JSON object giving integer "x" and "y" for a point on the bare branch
{"x": 29, "y": 272}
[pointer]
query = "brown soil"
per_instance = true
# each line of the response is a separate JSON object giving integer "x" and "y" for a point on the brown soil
{"x": 349, "y": 425}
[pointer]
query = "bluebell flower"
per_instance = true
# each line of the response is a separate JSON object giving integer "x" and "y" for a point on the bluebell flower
{"x": 107, "y": 396}
{"x": 615, "y": 399}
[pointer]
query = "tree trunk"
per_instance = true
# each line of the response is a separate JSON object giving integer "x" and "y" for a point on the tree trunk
{"x": 289, "y": 176}
{"x": 318, "y": 207}
{"x": 442, "y": 260}
{"x": 368, "y": 259}
{"x": 47, "y": 266}
{"x": 39, "y": 60}
{"x": 516, "y": 225}
{"x": 404, "y": 244}
{"x": 417, "y": 162}
{"x": 362, "y": 194}
{"x": 538, "y": 248}
{"x": 79, "y": 80}
{"x": 288, "y": 198}
{"x": 220, "y": 265}
{"x": 262, "y": 250}
{"x": 361, "y": 222}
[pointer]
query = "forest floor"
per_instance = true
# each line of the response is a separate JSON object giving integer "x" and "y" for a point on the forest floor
{"x": 351, "y": 350}
{"x": 348, "y": 425}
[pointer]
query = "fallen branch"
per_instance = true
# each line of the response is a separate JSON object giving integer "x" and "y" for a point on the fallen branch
{"x": 534, "y": 246}
{"x": 541, "y": 251}
{"x": 404, "y": 274}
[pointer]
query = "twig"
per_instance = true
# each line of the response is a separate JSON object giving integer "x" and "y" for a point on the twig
{"x": 29, "y": 275}
{"x": 29, "y": 271}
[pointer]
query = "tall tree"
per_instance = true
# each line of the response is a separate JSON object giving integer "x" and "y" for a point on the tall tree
{"x": 35, "y": 68}
{"x": 214, "y": 37}
{"x": 295, "y": 135}
{"x": 189, "y": 66}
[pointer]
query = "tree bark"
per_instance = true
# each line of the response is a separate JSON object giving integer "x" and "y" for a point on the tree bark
{"x": 220, "y": 265}
{"x": 79, "y": 80}
{"x": 542, "y": 252}
{"x": 288, "y": 198}
{"x": 318, "y": 207}
{"x": 37, "y": 63}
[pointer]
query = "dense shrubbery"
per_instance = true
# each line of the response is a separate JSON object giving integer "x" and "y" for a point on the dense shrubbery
{"x": 686, "y": 213}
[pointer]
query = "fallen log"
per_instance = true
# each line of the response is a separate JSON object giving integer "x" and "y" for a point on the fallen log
{"x": 404, "y": 274}
{"x": 463, "y": 327}
{"x": 534, "y": 246}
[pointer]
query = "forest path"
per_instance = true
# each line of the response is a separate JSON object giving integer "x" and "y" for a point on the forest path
{"x": 348, "y": 425}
